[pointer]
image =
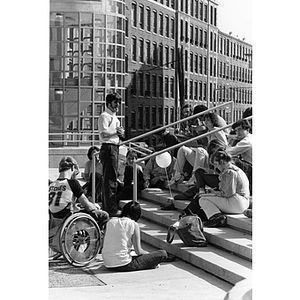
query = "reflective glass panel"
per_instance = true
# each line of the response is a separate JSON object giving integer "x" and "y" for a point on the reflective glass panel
{"x": 56, "y": 49}
{"x": 100, "y": 36}
{"x": 86, "y": 19}
{"x": 100, "y": 50}
{"x": 70, "y": 108}
{"x": 111, "y": 65}
{"x": 100, "y": 20}
{"x": 71, "y": 19}
{"x": 99, "y": 64}
{"x": 56, "y": 34}
{"x": 56, "y": 19}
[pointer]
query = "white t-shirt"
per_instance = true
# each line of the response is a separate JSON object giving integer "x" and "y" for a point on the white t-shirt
{"x": 117, "y": 242}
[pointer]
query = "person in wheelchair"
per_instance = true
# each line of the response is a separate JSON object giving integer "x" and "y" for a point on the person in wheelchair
{"x": 66, "y": 190}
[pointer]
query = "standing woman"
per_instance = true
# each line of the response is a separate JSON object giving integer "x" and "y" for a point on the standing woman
{"x": 233, "y": 194}
{"x": 122, "y": 235}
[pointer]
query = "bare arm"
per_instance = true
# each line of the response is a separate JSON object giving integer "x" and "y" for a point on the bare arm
{"x": 86, "y": 203}
{"x": 136, "y": 240}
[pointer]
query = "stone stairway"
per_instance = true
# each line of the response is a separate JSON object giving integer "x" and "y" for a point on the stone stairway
{"x": 229, "y": 251}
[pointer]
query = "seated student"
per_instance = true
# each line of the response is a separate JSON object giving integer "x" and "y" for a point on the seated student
{"x": 64, "y": 191}
{"x": 87, "y": 174}
{"x": 205, "y": 173}
{"x": 127, "y": 190}
{"x": 156, "y": 176}
{"x": 122, "y": 235}
{"x": 233, "y": 194}
{"x": 165, "y": 140}
{"x": 211, "y": 121}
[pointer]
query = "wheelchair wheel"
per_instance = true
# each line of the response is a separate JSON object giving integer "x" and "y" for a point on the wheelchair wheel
{"x": 80, "y": 239}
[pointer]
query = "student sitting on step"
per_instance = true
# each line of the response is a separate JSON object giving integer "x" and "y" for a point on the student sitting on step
{"x": 156, "y": 176}
{"x": 122, "y": 235}
{"x": 233, "y": 195}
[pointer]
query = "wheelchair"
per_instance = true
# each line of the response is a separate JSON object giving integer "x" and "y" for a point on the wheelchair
{"x": 77, "y": 238}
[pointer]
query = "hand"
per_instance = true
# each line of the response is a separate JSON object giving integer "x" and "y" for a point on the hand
{"x": 120, "y": 131}
{"x": 146, "y": 184}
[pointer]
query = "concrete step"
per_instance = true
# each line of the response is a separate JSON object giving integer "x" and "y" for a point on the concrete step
{"x": 160, "y": 196}
{"x": 211, "y": 259}
{"x": 231, "y": 240}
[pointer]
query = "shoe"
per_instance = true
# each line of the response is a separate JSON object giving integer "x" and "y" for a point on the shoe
{"x": 168, "y": 207}
{"x": 191, "y": 181}
{"x": 170, "y": 258}
{"x": 217, "y": 220}
{"x": 248, "y": 213}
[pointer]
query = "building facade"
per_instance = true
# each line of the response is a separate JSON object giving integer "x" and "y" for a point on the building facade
{"x": 158, "y": 54}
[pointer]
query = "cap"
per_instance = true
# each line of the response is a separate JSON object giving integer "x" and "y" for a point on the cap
{"x": 67, "y": 163}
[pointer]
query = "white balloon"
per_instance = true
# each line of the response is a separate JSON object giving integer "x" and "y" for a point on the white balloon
{"x": 163, "y": 160}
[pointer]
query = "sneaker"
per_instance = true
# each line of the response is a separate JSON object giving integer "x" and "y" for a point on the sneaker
{"x": 217, "y": 220}
{"x": 248, "y": 213}
{"x": 170, "y": 258}
{"x": 191, "y": 181}
{"x": 168, "y": 207}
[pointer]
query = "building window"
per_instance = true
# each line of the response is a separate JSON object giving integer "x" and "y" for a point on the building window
{"x": 154, "y": 53}
{"x": 160, "y": 86}
{"x": 191, "y": 62}
{"x": 140, "y": 117}
{"x": 154, "y": 85}
{"x": 148, "y": 53}
{"x": 167, "y": 87}
{"x": 141, "y": 16}
{"x": 133, "y": 49}
{"x": 148, "y": 88}
{"x": 141, "y": 84}
{"x": 172, "y": 28}
{"x": 172, "y": 58}
{"x": 147, "y": 115}
{"x": 166, "y": 115}
{"x": 141, "y": 50}
{"x": 161, "y": 24}
{"x": 167, "y": 31}
{"x": 133, "y": 120}
{"x": 148, "y": 19}
{"x": 153, "y": 115}
{"x": 155, "y": 21}
{"x": 172, "y": 88}
{"x": 167, "y": 56}
{"x": 161, "y": 55}
{"x": 160, "y": 115}
{"x": 133, "y": 15}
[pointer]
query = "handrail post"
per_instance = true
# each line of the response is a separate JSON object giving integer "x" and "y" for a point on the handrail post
{"x": 93, "y": 177}
{"x": 134, "y": 182}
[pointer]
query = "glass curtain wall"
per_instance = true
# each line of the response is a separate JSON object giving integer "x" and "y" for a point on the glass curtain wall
{"x": 87, "y": 59}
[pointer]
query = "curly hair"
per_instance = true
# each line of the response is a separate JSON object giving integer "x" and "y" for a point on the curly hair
{"x": 215, "y": 145}
{"x": 213, "y": 117}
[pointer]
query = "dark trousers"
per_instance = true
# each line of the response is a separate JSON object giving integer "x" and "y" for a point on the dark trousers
{"x": 98, "y": 186}
{"x": 203, "y": 179}
{"x": 144, "y": 261}
{"x": 109, "y": 155}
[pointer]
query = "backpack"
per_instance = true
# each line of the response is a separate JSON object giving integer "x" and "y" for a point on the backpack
{"x": 190, "y": 231}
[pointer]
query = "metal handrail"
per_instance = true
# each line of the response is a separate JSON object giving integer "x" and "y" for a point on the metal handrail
{"x": 161, "y": 151}
{"x": 180, "y": 121}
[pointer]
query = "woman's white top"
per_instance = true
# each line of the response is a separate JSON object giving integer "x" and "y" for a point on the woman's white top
{"x": 117, "y": 242}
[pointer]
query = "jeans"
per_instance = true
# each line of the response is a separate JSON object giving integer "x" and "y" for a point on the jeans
{"x": 144, "y": 261}
{"x": 109, "y": 155}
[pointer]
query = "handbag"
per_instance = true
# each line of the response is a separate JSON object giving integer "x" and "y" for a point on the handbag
{"x": 190, "y": 231}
